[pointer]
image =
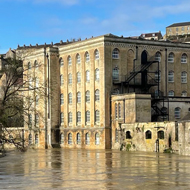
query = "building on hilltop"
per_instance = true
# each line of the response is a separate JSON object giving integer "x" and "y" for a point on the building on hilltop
{"x": 152, "y": 36}
{"x": 97, "y": 86}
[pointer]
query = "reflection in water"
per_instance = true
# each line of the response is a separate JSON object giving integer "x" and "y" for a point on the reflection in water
{"x": 93, "y": 169}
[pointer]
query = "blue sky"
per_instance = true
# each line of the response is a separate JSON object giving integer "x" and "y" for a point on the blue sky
{"x": 39, "y": 21}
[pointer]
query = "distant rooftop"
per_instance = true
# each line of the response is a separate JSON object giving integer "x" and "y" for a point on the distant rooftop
{"x": 179, "y": 24}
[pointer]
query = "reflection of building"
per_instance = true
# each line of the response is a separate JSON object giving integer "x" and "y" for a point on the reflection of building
{"x": 92, "y": 84}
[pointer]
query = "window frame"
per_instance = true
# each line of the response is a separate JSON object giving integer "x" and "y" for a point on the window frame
{"x": 115, "y": 53}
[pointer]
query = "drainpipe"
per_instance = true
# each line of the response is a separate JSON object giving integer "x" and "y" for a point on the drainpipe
{"x": 166, "y": 72}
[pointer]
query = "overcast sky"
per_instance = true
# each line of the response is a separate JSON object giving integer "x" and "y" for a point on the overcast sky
{"x": 39, "y": 21}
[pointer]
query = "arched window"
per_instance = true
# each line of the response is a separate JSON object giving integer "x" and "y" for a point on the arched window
{"x": 61, "y": 63}
{"x": 184, "y": 93}
{"x": 97, "y": 95}
{"x": 148, "y": 134}
{"x": 87, "y": 96}
{"x": 70, "y": 98}
{"x": 161, "y": 134}
{"x": 97, "y": 77}
{"x": 30, "y": 139}
{"x": 87, "y": 76}
{"x": 87, "y": 57}
{"x": 62, "y": 138}
{"x": 184, "y": 58}
{"x": 164, "y": 112}
{"x": 61, "y": 117}
{"x": 158, "y": 76}
{"x": 97, "y": 116}
{"x": 78, "y": 58}
{"x": 97, "y": 139}
{"x": 37, "y": 100}
{"x": 171, "y": 93}
{"x": 70, "y": 78}
{"x": 116, "y": 135}
{"x": 177, "y": 112}
{"x": 115, "y": 74}
{"x": 78, "y": 138}
{"x": 36, "y": 139}
{"x": 158, "y": 56}
{"x": 36, "y": 119}
{"x": 36, "y": 64}
{"x": 78, "y": 97}
{"x": 97, "y": 56}
{"x": 30, "y": 119}
{"x": 29, "y": 65}
{"x": 87, "y": 117}
{"x": 70, "y": 138}
{"x": 78, "y": 117}
{"x": 171, "y": 58}
{"x": 87, "y": 138}
{"x": 70, "y": 117}
{"x": 115, "y": 54}
{"x": 61, "y": 99}
{"x": 69, "y": 61}
{"x": 183, "y": 77}
{"x": 119, "y": 110}
{"x": 170, "y": 76}
{"x": 78, "y": 77}
{"x": 61, "y": 80}
{"x": 128, "y": 135}
{"x": 116, "y": 111}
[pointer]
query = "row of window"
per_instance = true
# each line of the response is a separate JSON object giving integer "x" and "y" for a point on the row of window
{"x": 30, "y": 140}
{"x": 78, "y": 138}
{"x": 78, "y": 117}
{"x": 36, "y": 119}
{"x": 78, "y": 58}
{"x": 183, "y": 94}
{"x": 87, "y": 97}
{"x": 30, "y": 65}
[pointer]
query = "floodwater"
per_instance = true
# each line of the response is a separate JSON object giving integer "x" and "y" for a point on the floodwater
{"x": 93, "y": 169}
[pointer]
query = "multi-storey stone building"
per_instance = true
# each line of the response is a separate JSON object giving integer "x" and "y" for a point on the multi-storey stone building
{"x": 88, "y": 86}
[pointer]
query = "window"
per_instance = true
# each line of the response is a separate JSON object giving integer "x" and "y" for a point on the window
{"x": 61, "y": 117}
{"x": 62, "y": 138}
{"x": 116, "y": 136}
{"x": 116, "y": 91}
{"x": 78, "y": 117}
{"x": 87, "y": 56}
{"x": 30, "y": 139}
{"x": 30, "y": 119}
{"x": 128, "y": 135}
{"x": 61, "y": 63}
{"x": 115, "y": 54}
{"x": 171, "y": 93}
{"x": 96, "y": 55}
{"x": 158, "y": 93}
{"x": 119, "y": 110}
{"x": 70, "y": 117}
{"x": 70, "y": 78}
{"x": 70, "y": 138}
{"x": 69, "y": 61}
{"x": 36, "y": 64}
{"x": 184, "y": 58}
{"x": 78, "y": 138}
{"x": 87, "y": 76}
{"x": 36, "y": 119}
{"x": 29, "y": 65}
{"x": 30, "y": 83}
{"x": 171, "y": 58}
{"x": 184, "y": 94}
{"x": 97, "y": 75}
{"x": 115, "y": 74}
{"x": 170, "y": 76}
{"x": 177, "y": 112}
{"x": 37, "y": 82}
{"x": 183, "y": 77}
{"x": 97, "y": 116}
{"x": 36, "y": 139}
{"x": 158, "y": 56}
{"x": 88, "y": 96}
{"x": 97, "y": 139}
{"x": 87, "y": 138}
{"x": 182, "y": 28}
{"x": 37, "y": 100}
{"x": 116, "y": 111}
{"x": 164, "y": 112}
{"x": 148, "y": 134}
{"x": 87, "y": 117}
{"x": 78, "y": 77}
{"x": 61, "y": 99}
{"x": 176, "y": 29}
{"x": 160, "y": 134}
{"x": 97, "y": 95}
{"x": 158, "y": 76}
{"x": 61, "y": 80}
{"x": 78, "y": 58}
{"x": 70, "y": 98}
{"x": 78, "y": 97}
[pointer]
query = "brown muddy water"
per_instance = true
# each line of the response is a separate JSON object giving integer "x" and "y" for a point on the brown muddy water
{"x": 93, "y": 169}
